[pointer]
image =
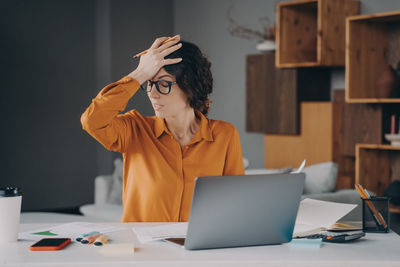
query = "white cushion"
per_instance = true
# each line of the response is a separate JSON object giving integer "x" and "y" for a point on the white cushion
{"x": 266, "y": 171}
{"x": 320, "y": 178}
{"x": 115, "y": 196}
{"x": 103, "y": 213}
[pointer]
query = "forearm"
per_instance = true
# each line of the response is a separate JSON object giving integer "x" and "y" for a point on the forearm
{"x": 138, "y": 76}
{"x": 111, "y": 100}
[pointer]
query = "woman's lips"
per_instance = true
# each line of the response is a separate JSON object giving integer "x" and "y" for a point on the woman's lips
{"x": 157, "y": 107}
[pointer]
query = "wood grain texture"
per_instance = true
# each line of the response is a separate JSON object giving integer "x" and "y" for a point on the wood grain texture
{"x": 257, "y": 68}
{"x": 372, "y": 41}
{"x": 314, "y": 143}
{"x": 373, "y": 167}
{"x": 346, "y": 164}
{"x": 312, "y": 33}
{"x": 332, "y": 29}
{"x": 271, "y": 97}
{"x": 297, "y": 32}
{"x": 362, "y": 123}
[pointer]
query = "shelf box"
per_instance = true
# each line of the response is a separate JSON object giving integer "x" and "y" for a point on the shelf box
{"x": 273, "y": 95}
{"x": 312, "y": 32}
{"x": 372, "y": 41}
{"x": 375, "y": 166}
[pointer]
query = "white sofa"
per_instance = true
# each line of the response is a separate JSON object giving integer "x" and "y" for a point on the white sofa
{"x": 107, "y": 210}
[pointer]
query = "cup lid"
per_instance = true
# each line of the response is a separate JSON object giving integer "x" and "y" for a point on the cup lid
{"x": 10, "y": 192}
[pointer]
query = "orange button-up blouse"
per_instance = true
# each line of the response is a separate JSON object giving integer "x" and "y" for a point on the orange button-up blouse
{"x": 159, "y": 174}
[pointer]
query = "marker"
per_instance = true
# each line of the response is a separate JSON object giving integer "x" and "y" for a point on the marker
{"x": 90, "y": 239}
{"x": 79, "y": 239}
{"x": 101, "y": 240}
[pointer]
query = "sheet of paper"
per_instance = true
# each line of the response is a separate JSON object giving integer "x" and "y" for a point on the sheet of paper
{"x": 305, "y": 229}
{"x": 151, "y": 233}
{"x": 320, "y": 214}
{"x": 71, "y": 230}
{"x": 300, "y": 168}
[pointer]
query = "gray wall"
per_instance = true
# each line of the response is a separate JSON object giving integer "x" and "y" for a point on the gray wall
{"x": 47, "y": 73}
{"x": 56, "y": 56}
{"x": 205, "y": 23}
{"x": 125, "y": 28}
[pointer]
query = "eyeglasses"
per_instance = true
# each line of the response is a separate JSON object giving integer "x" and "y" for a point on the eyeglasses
{"x": 163, "y": 87}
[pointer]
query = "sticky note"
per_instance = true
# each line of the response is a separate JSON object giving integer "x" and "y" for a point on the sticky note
{"x": 117, "y": 249}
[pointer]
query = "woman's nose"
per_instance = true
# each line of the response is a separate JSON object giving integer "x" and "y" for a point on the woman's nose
{"x": 153, "y": 93}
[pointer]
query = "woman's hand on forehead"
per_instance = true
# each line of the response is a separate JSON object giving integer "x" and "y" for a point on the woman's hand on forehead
{"x": 151, "y": 62}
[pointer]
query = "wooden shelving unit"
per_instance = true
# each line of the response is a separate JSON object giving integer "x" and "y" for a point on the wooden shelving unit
{"x": 374, "y": 166}
{"x": 372, "y": 41}
{"x": 312, "y": 32}
{"x": 326, "y": 33}
{"x": 273, "y": 95}
{"x": 314, "y": 143}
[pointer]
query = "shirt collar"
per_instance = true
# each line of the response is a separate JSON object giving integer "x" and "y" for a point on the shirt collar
{"x": 204, "y": 131}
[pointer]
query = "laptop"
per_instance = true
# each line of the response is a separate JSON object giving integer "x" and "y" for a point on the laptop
{"x": 243, "y": 210}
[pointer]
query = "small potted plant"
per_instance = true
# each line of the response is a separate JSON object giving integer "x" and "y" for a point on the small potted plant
{"x": 265, "y": 36}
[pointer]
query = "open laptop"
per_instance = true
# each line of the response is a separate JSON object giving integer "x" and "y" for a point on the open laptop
{"x": 244, "y": 210}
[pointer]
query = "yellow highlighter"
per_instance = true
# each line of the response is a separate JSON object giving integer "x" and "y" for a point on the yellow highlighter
{"x": 101, "y": 240}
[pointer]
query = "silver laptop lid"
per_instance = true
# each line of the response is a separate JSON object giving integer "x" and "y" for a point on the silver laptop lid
{"x": 248, "y": 210}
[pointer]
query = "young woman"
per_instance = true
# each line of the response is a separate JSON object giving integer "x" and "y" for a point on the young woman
{"x": 163, "y": 154}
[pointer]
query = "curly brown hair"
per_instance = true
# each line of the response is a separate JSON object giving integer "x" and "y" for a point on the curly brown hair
{"x": 193, "y": 75}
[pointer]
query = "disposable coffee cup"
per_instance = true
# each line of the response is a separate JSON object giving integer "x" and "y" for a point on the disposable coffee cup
{"x": 10, "y": 210}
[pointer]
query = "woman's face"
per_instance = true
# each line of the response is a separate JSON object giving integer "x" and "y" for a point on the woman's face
{"x": 171, "y": 104}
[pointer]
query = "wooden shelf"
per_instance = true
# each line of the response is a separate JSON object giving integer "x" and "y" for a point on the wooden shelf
{"x": 373, "y": 100}
{"x": 312, "y": 32}
{"x": 379, "y": 147}
{"x": 273, "y": 95}
{"x": 375, "y": 166}
{"x": 394, "y": 209}
{"x": 372, "y": 42}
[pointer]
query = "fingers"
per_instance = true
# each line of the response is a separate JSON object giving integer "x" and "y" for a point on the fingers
{"x": 171, "y": 49}
{"x": 170, "y": 43}
{"x": 171, "y": 61}
{"x": 158, "y": 42}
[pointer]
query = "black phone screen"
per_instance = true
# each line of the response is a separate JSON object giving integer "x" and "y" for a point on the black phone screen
{"x": 50, "y": 242}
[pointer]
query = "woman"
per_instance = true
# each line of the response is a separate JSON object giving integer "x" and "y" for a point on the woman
{"x": 163, "y": 154}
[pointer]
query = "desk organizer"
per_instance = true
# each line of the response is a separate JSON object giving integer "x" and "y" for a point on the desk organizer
{"x": 375, "y": 213}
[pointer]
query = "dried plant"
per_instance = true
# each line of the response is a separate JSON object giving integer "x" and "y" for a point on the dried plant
{"x": 235, "y": 29}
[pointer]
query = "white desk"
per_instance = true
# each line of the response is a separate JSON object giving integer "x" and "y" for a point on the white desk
{"x": 375, "y": 250}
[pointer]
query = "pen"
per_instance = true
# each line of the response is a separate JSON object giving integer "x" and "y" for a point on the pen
{"x": 101, "y": 240}
{"x": 90, "y": 239}
{"x": 79, "y": 239}
{"x": 377, "y": 215}
{"x": 166, "y": 41}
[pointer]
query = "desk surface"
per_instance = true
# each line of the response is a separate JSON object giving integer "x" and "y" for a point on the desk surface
{"x": 372, "y": 250}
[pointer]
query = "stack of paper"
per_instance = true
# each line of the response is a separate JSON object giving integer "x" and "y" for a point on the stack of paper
{"x": 71, "y": 230}
{"x": 315, "y": 216}
{"x": 151, "y": 233}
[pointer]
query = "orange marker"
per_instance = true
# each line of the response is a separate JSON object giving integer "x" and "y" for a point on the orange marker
{"x": 101, "y": 240}
{"x": 90, "y": 239}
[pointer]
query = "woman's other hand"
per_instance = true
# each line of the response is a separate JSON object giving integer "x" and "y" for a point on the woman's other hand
{"x": 151, "y": 62}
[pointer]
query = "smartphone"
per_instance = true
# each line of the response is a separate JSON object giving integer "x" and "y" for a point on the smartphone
{"x": 50, "y": 244}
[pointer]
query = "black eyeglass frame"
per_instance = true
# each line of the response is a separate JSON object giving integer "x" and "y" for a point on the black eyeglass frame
{"x": 157, "y": 86}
